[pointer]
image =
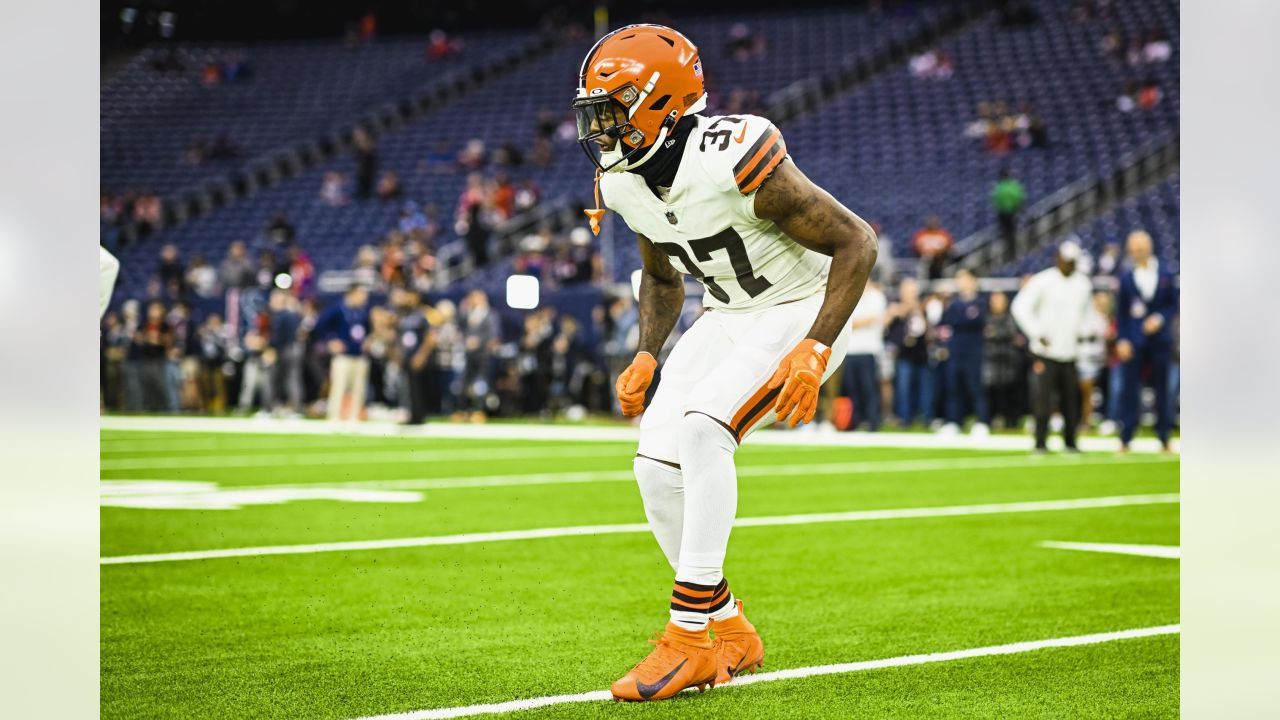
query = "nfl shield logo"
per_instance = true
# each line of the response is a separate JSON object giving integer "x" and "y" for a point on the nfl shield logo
{"x": 671, "y": 217}
{"x": 697, "y": 69}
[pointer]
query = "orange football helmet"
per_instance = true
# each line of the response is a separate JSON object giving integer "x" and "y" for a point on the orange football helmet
{"x": 634, "y": 86}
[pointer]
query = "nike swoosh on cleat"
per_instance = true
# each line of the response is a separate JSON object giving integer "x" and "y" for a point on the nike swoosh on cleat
{"x": 648, "y": 691}
{"x": 733, "y": 671}
{"x": 742, "y": 135}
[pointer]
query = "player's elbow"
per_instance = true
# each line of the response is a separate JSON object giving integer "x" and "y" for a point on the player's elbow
{"x": 863, "y": 245}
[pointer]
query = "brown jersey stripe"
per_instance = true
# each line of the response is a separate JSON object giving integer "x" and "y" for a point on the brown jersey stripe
{"x": 756, "y": 412}
{"x": 745, "y": 409}
{"x": 754, "y": 152}
{"x": 775, "y": 156}
{"x": 772, "y": 142}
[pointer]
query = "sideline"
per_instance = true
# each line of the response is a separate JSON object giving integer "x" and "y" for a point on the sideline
{"x": 534, "y": 431}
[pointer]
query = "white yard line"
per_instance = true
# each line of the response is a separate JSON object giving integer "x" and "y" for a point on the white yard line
{"x": 745, "y": 471}
{"x": 248, "y": 445}
{"x": 532, "y": 431}
{"x": 1172, "y": 552}
{"x": 362, "y": 457}
{"x": 471, "y": 538}
{"x": 245, "y": 443}
{"x": 802, "y": 672}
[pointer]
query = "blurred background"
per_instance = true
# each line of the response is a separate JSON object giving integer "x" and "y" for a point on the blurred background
{"x": 390, "y": 195}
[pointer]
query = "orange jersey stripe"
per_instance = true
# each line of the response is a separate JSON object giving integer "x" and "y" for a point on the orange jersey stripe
{"x": 741, "y": 430}
{"x": 764, "y": 150}
{"x": 746, "y": 407}
{"x": 759, "y": 179}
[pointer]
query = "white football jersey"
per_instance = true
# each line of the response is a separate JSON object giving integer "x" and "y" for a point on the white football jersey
{"x": 708, "y": 227}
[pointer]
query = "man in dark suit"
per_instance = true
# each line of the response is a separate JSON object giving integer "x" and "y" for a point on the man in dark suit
{"x": 1146, "y": 306}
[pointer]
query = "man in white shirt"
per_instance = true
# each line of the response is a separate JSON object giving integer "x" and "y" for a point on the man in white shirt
{"x": 1051, "y": 311}
{"x": 860, "y": 381}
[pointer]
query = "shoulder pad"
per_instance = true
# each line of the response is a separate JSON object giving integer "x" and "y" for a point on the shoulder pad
{"x": 741, "y": 150}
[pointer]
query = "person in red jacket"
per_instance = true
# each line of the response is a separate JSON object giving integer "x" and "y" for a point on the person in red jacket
{"x": 933, "y": 244}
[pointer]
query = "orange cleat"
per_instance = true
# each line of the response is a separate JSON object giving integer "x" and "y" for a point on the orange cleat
{"x": 682, "y": 659}
{"x": 738, "y": 647}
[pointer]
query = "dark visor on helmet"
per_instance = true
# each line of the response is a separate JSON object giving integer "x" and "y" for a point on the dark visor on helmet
{"x": 604, "y": 117}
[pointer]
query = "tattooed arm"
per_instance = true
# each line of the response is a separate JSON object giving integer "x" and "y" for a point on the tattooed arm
{"x": 810, "y": 216}
{"x": 661, "y": 297}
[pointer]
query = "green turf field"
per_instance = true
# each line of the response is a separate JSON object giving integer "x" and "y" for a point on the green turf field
{"x": 323, "y": 630}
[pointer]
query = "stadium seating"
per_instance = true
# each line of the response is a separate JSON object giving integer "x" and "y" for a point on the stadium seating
{"x": 289, "y": 92}
{"x": 1156, "y": 210}
{"x": 893, "y": 149}
{"x": 503, "y": 111}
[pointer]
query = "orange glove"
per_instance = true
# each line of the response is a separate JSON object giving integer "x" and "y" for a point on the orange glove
{"x": 633, "y": 382}
{"x": 801, "y": 371}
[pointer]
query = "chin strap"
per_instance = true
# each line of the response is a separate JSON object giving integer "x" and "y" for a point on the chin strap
{"x": 653, "y": 149}
{"x": 594, "y": 216}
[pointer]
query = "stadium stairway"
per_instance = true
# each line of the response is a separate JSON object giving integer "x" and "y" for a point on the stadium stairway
{"x": 1072, "y": 208}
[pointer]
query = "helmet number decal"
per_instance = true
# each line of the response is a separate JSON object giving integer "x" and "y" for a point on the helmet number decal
{"x": 718, "y": 136}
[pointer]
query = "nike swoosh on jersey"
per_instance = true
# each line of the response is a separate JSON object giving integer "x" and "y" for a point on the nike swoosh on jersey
{"x": 742, "y": 134}
{"x": 648, "y": 691}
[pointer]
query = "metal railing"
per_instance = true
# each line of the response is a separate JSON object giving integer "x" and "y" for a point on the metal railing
{"x": 1068, "y": 208}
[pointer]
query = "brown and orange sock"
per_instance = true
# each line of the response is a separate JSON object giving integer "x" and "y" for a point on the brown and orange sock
{"x": 693, "y": 604}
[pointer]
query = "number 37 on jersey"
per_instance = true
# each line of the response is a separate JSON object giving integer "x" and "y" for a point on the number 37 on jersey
{"x": 707, "y": 225}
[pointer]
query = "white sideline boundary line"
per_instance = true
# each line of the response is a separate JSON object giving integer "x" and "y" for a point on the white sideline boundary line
{"x": 1171, "y": 552}
{"x": 539, "y": 533}
{"x": 607, "y": 476}
{"x": 535, "y": 431}
{"x": 802, "y": 672}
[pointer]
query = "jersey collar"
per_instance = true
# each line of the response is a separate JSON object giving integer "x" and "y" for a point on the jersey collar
{"x": 661, "y": 170}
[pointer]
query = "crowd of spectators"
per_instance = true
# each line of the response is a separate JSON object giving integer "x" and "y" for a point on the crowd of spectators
{"x": 927, "y": 351}
{"x": 934, "y": 354}
{"x": 1003, "y": 129}
{"x": 939, "y": 354}
{"x": 352, "y": 358}
{"x": 143, "y": 210}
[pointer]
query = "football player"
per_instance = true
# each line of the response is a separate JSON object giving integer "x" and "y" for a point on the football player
{"x": 783, "y": 264}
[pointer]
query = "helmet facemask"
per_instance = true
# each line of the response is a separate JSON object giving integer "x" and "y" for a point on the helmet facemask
{"x": 607, "y": 116}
